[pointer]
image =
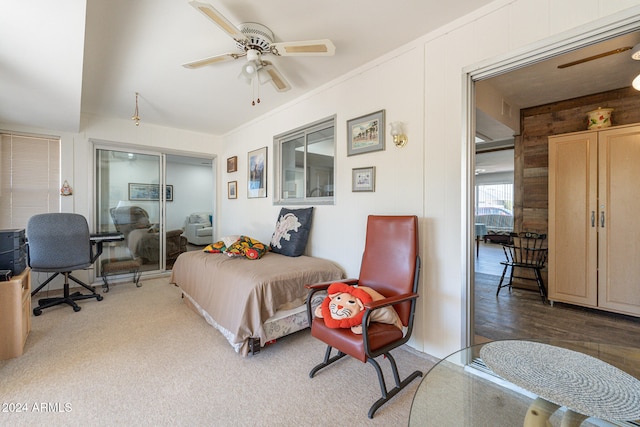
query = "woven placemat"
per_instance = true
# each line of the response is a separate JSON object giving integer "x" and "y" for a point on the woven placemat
{"x": 567, "y": 378}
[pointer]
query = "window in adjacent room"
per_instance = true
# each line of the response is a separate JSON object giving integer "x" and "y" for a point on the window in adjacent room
{"x": 305, "y": 164}
{"x": 29, "y": 178}
{"x": 494, "y": 199}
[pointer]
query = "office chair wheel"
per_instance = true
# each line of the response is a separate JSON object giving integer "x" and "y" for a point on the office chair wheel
{"x": 77, "y": 308}
{"x": 37, "y": 311}
{"x": 99, "y": 298}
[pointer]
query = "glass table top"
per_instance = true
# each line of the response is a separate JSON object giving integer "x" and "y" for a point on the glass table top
{"x": 461, "y": 390}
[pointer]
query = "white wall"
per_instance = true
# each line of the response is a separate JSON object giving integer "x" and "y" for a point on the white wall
{"x": 394, "y": 84}
{"x": 422, "y": 85}
{"x": 499, "y": 31}
{"x": 191, "y": 192}
{"x": 77, "y": 162}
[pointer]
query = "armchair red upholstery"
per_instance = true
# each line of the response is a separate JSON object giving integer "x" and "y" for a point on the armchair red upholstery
{"x": 391, "y": 266}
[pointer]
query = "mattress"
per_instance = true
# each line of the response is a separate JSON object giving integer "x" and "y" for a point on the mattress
{"x": 245, "y": 298}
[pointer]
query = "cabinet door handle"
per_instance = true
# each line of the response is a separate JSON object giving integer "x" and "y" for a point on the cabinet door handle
{"x": 593, "y": 218}
{"x": 602, "y": 219}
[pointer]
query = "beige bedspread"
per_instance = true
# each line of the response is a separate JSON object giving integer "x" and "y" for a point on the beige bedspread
{"x": 241, "y": 294}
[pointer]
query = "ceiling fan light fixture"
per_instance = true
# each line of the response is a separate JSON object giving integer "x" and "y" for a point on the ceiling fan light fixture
{"x": 635, "y": 52}
{"x": 256, "y": 40}
{"x": 636, "y": 82}
{"x": 250, "y": 68}
{"x": 264, "y": 76}
{"x": 242, "y": 76}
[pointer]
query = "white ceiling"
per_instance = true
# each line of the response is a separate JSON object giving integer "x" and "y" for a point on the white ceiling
{"x": 544, "y": 82}
{"x": 55, "y": 64}
{"x": 52, "y": 69}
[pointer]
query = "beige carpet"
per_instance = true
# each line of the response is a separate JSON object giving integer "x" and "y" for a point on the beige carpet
{"x": 141, "y": 357}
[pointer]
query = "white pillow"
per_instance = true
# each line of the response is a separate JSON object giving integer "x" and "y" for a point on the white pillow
{"x": 199, "y": 218}
{"x": 229, "y": 240}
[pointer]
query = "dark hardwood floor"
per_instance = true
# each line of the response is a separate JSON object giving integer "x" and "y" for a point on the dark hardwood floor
{"x": 521, "y": 313}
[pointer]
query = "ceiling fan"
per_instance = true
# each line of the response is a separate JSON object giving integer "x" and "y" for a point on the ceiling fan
{"x": 255, "y": 40}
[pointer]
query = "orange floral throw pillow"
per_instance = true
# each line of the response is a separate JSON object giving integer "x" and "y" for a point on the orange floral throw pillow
{"x": 247, "y": 247}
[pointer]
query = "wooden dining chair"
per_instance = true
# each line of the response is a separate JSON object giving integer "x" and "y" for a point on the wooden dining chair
{"x": 527, "y": 251}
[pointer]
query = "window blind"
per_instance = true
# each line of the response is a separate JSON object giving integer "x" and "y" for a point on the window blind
{"x": 29, "y": 178}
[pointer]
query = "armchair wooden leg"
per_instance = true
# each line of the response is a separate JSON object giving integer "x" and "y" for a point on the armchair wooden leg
{"x": 500, "y": 285}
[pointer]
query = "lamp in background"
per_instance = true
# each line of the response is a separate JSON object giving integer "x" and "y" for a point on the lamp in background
{"x": 397, "y": 131}
{"x": 636, "y": 82}
{"x": 136, "y": 116}
{"x": 635, "y": 54}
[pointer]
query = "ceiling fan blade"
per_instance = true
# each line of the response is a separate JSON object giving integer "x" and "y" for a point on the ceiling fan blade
{"x": 218, "y": 19}
{"x": 304, "y": 48}
{"x": 212, "y": 60}
{"x": 598, "y": 56}
{"x": 277, "y": 79}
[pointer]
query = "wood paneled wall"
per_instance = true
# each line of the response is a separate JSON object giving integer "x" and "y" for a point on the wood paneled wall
{"x": 532, "y": 153}
{"x": 531, "y": 201}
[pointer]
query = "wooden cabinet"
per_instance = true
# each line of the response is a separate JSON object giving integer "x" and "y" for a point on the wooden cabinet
{"x": 594, "y": 233}
{"x": 15, "y": 314}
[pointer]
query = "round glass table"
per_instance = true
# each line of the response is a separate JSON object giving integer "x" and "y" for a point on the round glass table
{"x": 531, "y": 383}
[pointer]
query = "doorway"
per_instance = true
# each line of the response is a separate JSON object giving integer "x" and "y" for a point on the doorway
{"x": 147, "y": 197}
{"x": 553, "y": 50}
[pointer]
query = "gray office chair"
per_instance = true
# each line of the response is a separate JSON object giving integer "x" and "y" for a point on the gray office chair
{"x": 60, "y": 243}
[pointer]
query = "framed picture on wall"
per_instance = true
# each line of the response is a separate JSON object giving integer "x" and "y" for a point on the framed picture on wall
{"x": 232, "y": 190}
{"x": 257, "y": 173}
{"x": 363, "y": 179}
{"x": 232, "y": 164}
{"x": 149, "y": 192}
{"x": 365, "y": 133}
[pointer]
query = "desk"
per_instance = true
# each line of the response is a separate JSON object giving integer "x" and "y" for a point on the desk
{"x": 456, "y": 392}
{"x": 15, "y": 314}
{"x": 481, "y": 231}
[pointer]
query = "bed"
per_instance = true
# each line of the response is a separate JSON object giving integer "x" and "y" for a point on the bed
{"x": 251, "y": 302}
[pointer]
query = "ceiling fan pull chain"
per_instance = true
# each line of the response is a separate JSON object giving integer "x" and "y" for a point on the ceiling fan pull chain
{"x": 253, "y": 92}
{"x": 257, "y": 83}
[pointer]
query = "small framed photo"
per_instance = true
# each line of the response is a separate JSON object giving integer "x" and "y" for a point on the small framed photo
{"x": 232, "y": 190}
{"x": 363, "y": 179}
{"x": 365, "y": 134}
{"x": 257, "y": 173}
{"x": 232, "y": 164}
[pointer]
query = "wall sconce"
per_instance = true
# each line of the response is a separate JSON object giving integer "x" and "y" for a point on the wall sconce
{"x": 636, "y": 82}
{"x": 136, "y": 116}
{"x": 397, "y": 131}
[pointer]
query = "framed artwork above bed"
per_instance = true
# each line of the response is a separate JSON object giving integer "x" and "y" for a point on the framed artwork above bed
{"x": 366, "y": 133}
{"x": 257, "y": 173}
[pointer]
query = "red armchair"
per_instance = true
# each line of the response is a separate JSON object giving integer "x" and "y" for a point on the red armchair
{"x": 391, "y": 266}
